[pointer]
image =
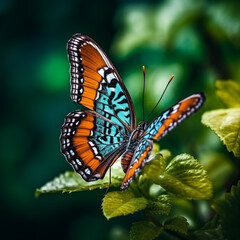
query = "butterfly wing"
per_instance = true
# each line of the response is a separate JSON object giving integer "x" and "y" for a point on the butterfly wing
{"x": 90, "y": 143}
{"x": 174, "y": 115}
{"x": 138, "y": 161}
{"x": 92, "y": 140}
{"x": 96, "y": 84}
{"x": 159, "y": 127}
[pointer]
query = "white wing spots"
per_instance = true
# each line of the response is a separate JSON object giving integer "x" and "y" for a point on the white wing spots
{"x": 110, "y": 76}
{"x": 101, "y": 72}
{"x": 87, "y": 171}
{"x": 80, "y": 90}
{"x": 98, "y": 157}
{"x": 78, "y": 162}
{"x": 95, "y": 150}
{"x": 83, "y": 115}
{"x": 97, "y": 95}
{"x": 76, "y": 115}
{"x": 75, "y": 165}
{"x": 175, "y": 108}
{"x": 67, "y": 142}
{"x": 97, "y": 175}
{"x": 100, "y": 87}
{"x": 72, "y": 152}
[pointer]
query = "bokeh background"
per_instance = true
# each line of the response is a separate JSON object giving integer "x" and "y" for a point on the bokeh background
{"x": 197, "y": 41}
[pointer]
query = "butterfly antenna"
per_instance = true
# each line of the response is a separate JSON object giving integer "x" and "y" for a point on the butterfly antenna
{"x": 143, "y": 69}
{"x": 170, "y": 79}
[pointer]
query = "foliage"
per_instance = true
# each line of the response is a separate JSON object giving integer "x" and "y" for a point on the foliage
{"x": 197, "y": 41}
{"x": 228, "y": 210}
{"x": 182, "y": 177}
{"x": 122, "y": 203}
{"x": 165, "y": 179}
{"x": 225, "y": 225}
{"x": 71, "y": 182}
{"x": 226, "y": 122}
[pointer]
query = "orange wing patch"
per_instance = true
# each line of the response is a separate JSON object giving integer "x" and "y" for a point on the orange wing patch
{"x": 179, "y": 112}
{"x": 135, "y": 168}
{"x": 85, "y": 60}
{"x": 76, "y": 145}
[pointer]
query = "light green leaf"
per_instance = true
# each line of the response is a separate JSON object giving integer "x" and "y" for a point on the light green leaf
{"x": 145, "y": 230}
{"x": 157, "y": 164}
{"x": 226, "y": 124}
{"x": 185, "y": 177}
{"x": 122, "y": 203}
{"x": 160, "y": 206}
{"x": 228, "y": 210}
{"x": 72, "y": 182}
{"x": 229, "y": 93}
{"x": 177, "y": 224}
{"x": 166, "y": 154}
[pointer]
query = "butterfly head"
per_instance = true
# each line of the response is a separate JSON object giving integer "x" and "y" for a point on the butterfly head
{"x": 142, "y": 126}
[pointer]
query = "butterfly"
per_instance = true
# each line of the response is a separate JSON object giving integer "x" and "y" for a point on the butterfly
{"x": 92, "y": 140}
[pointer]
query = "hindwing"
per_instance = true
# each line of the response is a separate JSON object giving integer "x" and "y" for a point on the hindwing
{"x": 174, "y": 115}
{"x": 91, "y": 143}
{"x": 138, "y": 160}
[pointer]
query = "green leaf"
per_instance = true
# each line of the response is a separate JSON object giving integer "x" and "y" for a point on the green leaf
{"x": 177, "y": 224}
{"x": 122, "y": 203}
{"x": 157, "y": 165}
{"x": 229, "y": 93}
{"x": 145, "y": 230}
{"x": 211, "y": 231}
{"x": 185, "y": 177}
{"x": 226, "y": 124}
{"x": 160, "y": 206}
{"x": 72, "y": 182}
{"x": 228, "y": 210}
{"x": 166, "y": 154}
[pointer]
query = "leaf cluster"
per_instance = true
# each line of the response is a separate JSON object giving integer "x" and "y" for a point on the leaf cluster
{"x": 151, "y": 193}
{"x": 166, "y": 179}
{"x": 226, "y": 122}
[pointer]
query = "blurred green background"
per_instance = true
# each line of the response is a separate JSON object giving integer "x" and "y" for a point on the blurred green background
{"x": 197, "y": 41}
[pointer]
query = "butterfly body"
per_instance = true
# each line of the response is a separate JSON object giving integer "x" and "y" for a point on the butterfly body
{"x": 133, "y": 141}
{"x": 92, "y": 140}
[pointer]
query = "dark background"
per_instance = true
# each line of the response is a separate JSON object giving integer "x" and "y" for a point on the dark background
{"x": 198, "y": 42}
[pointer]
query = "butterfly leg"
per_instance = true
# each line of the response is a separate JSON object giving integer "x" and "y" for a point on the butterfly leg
{"x": 110, "y": 181}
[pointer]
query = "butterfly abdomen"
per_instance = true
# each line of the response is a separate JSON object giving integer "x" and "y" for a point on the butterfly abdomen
{"x": 126, "y": 159}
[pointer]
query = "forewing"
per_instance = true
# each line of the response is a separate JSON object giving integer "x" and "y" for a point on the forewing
{"x": 90, "y": 143}
{"x": 171, "y": 117}
{"x": 96, "y": 84}
{"x": 138, "y": 161}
